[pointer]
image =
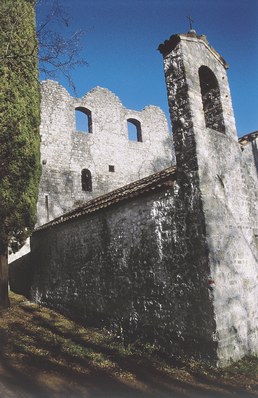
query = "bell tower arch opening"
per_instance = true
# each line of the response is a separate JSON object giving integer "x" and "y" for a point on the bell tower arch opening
{"x": 211, "y": 99}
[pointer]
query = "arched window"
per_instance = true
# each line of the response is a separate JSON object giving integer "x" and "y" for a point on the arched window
{"x": 83, "y": 120}
{"x": 211, "y": 100}
{"x": 134, "y": 130}
{"x": 86, "y": 180}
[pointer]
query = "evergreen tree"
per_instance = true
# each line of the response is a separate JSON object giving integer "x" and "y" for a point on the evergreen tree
{"x": 19, "y": 130}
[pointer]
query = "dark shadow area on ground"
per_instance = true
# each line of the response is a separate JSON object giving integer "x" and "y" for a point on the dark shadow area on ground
{"x": 43, "y": 355}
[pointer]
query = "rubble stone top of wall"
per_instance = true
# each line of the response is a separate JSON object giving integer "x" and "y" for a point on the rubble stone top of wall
{"x": 102, "y": 92}
{"x": 95, "y": 94}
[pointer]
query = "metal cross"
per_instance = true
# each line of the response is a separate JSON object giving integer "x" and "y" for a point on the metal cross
{"x": 190, "y": 22}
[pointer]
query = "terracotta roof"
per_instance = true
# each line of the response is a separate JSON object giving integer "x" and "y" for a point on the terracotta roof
{"x": 136, "y": 188}
{"x": 248, "y": 138}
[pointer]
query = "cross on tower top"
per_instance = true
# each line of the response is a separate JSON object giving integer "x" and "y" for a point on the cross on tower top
{"x": 190, "y": 19}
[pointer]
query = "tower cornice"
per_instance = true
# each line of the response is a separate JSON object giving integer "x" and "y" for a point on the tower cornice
{"x": 166, "y": 47}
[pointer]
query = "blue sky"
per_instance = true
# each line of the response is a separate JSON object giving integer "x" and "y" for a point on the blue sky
{"x": 122, "y": 38}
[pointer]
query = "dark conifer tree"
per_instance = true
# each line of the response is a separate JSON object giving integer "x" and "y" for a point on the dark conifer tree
{"x": 19, "y": 130}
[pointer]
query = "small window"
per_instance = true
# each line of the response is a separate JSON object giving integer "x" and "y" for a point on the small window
{"x": 83, "y": 120}
{"x": 47, "y": 207}
{"x": 86, "y": 180}
{"x": 111, "y": 168}
{"x": 134, "y": 130}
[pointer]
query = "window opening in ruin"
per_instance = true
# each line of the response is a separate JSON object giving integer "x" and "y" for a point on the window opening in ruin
{"x": 47, "y": 207}
{"x": 256, "y": 240}
{"x": 111, "y": 168}
{"x": 86, "y": 180}
{"x": 83, "y": 120}
{"x": 211, "y": 100}
{"x": 134, "y": 130}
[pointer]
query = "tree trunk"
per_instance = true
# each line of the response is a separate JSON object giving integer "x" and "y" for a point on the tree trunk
{"x": 4, "y": 298}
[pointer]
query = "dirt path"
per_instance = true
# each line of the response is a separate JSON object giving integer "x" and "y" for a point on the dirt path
{"x": 45, "y": 355}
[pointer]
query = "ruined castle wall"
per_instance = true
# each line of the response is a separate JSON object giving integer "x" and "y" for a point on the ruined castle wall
{"x": 65, "y": 152}
{"x": 133, "y": 267}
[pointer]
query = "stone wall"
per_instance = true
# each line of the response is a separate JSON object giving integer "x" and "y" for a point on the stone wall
{"x": 137, "y": 266}
{"x": 65, "y": 152}
{"x": 226, "y": 176}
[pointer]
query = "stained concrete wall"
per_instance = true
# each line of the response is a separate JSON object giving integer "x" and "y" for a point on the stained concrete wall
{"x": 65, "y": 152}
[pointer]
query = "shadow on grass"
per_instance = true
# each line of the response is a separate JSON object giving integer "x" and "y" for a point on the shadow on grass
{"x": 42, "y": 354}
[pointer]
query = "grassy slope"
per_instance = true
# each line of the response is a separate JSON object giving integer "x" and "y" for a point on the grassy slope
{"x": 43, "y": 354}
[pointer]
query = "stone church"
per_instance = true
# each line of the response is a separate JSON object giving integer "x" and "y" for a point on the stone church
{"x": 153, "y": 237}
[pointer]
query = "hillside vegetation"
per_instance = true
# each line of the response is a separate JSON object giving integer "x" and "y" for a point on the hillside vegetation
{"x": 44, "y": 354}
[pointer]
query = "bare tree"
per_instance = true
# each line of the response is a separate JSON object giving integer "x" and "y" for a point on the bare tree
{"x": 59, "y": 50}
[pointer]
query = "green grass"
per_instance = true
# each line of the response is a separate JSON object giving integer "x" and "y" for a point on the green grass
{"x": 47, "y": 355}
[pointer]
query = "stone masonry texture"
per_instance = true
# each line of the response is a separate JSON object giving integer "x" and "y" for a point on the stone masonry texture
{"x": 65, "y": 152}
{"x": 226, "y": 177}
{"x": 138, "y": 267}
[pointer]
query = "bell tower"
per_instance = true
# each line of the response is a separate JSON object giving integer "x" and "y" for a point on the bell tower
{"x": 214, "y": 182}
{"x": 198, "y": 91}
